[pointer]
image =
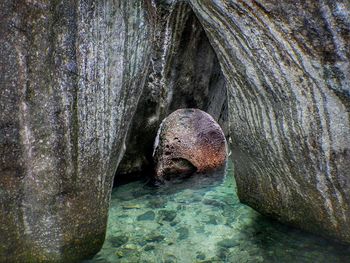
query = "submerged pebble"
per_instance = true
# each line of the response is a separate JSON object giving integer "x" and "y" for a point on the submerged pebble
{"x": 200, "y": 256}
{"x": 155, "y": 238}
{"x": 149, "y": 247}
{"x": 228, "y": 242}
{"x": 167, "y": 215}
{"x": 118, "y": 241}
{"x": 183, "y": 233}
{"x": 149, "y": 215}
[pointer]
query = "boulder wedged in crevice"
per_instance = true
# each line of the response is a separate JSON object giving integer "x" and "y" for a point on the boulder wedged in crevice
{"x": 188, "y": 141}
{"x": 184, "y": 72}
{"x": 287, "y": 67}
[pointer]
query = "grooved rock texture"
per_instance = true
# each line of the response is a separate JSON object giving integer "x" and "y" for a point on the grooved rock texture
{"x": 184, "y": 73}
{"x": 188, "y": 141}
{"x": 286, "y": 64}
{"x": 72, "y": 73}
{"x": 71, "y": 76}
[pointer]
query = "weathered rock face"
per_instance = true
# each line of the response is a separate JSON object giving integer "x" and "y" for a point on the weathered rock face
{"x": 288, "y": 75}
{"x": 184, "y": 73}
{"x": 71, "y": 76}
{"x": 72, "y": 73}
{"x": 188, "y": 141}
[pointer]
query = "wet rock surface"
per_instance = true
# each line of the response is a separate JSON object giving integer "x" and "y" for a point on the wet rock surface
{"x": 188, "y": 141}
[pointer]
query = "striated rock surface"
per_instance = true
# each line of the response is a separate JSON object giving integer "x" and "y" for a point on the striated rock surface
{"x": 286, "y": 64}
{"x": 71, "y": 76}
{"x": 184, "y": 73}
{"x": 188, "y": 141}
{"x": 72, "y": 73}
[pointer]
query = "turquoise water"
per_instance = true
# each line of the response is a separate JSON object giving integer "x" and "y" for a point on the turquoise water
{"x": 201, "y": 220}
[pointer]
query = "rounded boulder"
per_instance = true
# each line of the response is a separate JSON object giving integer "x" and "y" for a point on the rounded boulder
{"x": 188, "y": 141}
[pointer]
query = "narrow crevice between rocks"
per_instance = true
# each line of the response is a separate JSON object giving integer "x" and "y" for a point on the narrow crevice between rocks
{"x": 184, "y": 73}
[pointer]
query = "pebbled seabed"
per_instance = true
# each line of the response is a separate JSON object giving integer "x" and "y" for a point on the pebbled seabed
{"x": 202, "y": 220}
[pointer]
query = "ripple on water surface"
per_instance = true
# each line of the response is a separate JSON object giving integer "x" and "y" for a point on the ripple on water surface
{"x": 202, "y": 220}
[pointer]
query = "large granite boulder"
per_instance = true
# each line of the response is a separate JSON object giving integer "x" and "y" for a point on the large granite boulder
{"x": 71, "y": 76}
{"x": 188, "y": 141}
{"x": 287, "y": 67}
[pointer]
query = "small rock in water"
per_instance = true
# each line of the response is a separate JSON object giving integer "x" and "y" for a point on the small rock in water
{"x": 155, "y": 238}
{"x": 149, "y": 247}
{"x": 200, "y": 256}
{"x": 127, "y": 251}
{"x": 142, "y": 242}
{"x": 183, "y": 233}
{"x": 228, "y": 243}
{"x": 148, "y": 216}
{"x": 118, "y": 240}
{"x": 174, "y": 223}
{"x": 167, "y": 215}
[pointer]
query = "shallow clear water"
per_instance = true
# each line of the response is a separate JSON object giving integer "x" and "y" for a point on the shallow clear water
{"x": 201, "y": 220}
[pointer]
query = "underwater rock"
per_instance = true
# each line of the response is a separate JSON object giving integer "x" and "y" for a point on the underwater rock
{"x": 167, "y": 215}
{"x": 183, "y": 233}
{"x": 130, "y": 251}
{"x": 228, "y": 243}
{"x": 147, "y": 216}
{"x": 118, "y": 241}
{"x": 287, "y": 70}
{"x": 149, "y": 247}
{"x": 154, "y": 237}
{"x": 200, "y": 256}
{"x": 188, "y": 141}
